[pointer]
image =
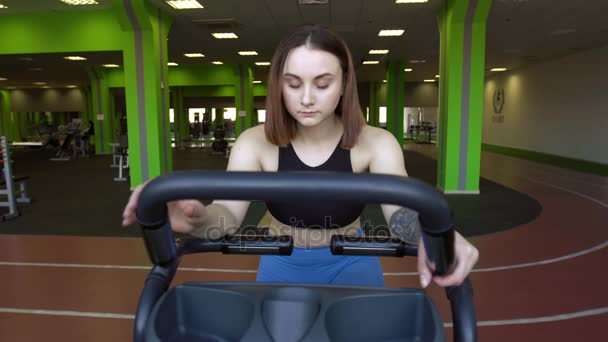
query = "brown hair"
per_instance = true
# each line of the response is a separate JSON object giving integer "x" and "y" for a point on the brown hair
{"x": 280, "y": 127}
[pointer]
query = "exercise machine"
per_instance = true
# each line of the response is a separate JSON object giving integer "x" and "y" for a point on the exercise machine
{"x": 242, "y": 311}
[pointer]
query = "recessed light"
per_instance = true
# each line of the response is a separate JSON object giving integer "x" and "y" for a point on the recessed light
{"x": 257, "y": 82}
{"x": 39, "y": 83}
{"x": 411, "y": 1}
{"x": 226, "y": 35}
{"x": 429, "y": 81}
{"x": 79, "y": 2}
{"x": 371, "y": 62}
{"x": 217, "y": 62}
{"x": 172, "y": 64}
{"x": 498, "y": 69}
{"x": 436, "y": 76}
{"x": 408, "y": 70}
{"x": 3, "y": 79}
{"x": 248, "y": 53}
{"x": 262, "y": 63}
{"x": 75, "y": 58}
{"x": 391, "y": 33}
{"x": 184, "y": 4}
{"x": 2, "y": 6}
{"x": 71, "y": 86}
{"x": 110, "y": 65}
{"x": 384, "y": 81}
{"x": 378, "y": 52}
{"x": 194, "y": 55}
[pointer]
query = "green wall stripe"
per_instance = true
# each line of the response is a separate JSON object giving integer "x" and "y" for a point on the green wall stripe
{"x": 141, "y": 95}
{"x": 551, "y": 159}
{"x": 466, "y": 91}
{"x": 164, "y": 116}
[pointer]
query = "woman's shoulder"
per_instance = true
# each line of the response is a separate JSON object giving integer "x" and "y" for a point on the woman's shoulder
{"x": 254, "y": 137}
{"x": 374, "y": 137}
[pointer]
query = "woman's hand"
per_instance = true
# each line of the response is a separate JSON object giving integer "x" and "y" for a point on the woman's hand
{"x": 466, "y": 256}
{"x": 184, "y": 215}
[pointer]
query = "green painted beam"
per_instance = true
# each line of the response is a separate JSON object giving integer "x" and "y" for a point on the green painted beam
{"x": 53, "y": 32}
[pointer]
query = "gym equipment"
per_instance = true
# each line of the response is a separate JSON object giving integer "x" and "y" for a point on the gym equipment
{"x": 218, "y": 147}
{"x": 9, "y": 180}
{"x": 123, "y": 157}
{"x": 242, "y": 311}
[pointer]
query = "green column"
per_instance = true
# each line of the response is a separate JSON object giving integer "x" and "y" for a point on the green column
{"x": 113, "y": 119}
{"x": 374, "y": 113}
{"x": 180, "y": 119}
{"x": 22, "y": 125}
{"x": 395, "y": 99}
{"x": 101, "y": 114}
{"x": 5, "y": 113}
{"x": 244, "y": 99}
{"x": 84, "y": 112}
{"x": 61, "y": 118}
{"x": 146, "y": 85}
{"x": 462, "y": 28}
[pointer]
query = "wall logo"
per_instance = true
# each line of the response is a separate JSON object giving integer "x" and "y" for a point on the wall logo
{"x": 499, "y": 100}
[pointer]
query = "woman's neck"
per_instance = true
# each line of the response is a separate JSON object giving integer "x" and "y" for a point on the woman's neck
{"x": 323, "y": 133}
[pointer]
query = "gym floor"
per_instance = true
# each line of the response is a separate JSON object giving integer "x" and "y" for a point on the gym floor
{"x": 539, "y": 280}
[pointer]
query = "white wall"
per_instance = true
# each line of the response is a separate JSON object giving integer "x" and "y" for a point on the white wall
{"x": 47, "y": 100}
{"x": 559, "y": 107}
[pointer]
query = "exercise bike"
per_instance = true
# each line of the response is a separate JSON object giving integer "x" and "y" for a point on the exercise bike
{"x": 243, "y": 311}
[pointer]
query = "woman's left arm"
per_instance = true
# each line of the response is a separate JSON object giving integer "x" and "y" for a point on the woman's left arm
{"x": 387, "y": 158}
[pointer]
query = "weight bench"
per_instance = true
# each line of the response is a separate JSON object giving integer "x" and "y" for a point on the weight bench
{"x": 22, "y": 191}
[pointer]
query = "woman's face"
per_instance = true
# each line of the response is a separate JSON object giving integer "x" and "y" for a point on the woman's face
{"x": 312, "y": 85}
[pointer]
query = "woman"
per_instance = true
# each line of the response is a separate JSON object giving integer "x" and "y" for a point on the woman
{"x": 314, "y": 123}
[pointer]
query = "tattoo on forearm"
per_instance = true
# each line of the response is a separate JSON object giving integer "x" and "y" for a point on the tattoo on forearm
{"x": 404, "y": 224}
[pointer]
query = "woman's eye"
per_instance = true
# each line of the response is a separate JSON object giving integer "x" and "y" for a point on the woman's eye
{"x": 323, "y": 86}
{"x": 293, "y": 86}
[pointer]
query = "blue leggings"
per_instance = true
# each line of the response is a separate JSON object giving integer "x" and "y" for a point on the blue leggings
{"x": 319, "y": 266}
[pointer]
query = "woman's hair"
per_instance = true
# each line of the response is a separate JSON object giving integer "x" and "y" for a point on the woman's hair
{"x": 280, "y": 127}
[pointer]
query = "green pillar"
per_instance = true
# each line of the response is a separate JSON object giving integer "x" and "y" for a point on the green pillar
{"x": 22, "y": 125}
{"x": 113, "y": 119}
{"x": 180, "y": 119}
{"x": 101, "y": 114}
{"x": 146, "y": 85}
{"x": 374, "y": 105}
{"x": 462, "y": 29}
{"x": 395, "y": 99}
{"x": 5, "y": 113}
{"x": 61, "y": 118}
{"x": 244, "y": 99}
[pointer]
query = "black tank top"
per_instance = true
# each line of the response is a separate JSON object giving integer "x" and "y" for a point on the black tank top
{"x": 320, "y": 213}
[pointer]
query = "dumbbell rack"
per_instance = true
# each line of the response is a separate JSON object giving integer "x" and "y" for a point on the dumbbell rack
{"x": 7, "y": 173}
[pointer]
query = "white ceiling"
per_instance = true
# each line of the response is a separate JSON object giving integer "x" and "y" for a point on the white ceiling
{"x": 519, "y": 32}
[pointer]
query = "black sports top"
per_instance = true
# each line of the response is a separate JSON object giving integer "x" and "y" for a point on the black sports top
{"x": 321, "y": 213}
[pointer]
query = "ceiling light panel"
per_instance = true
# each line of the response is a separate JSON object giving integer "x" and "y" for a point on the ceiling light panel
{"x": 217, "y": 62}
{"x": 194, "y": 55}
{"x": 110, "y": 65}
{"x": 79, "y": 2}
{"x": 391, "y": 33}
{"x": 75, "y": 58}
{"x": 248, "y": 53}
{"x": 378, "y": 52}
{"x": 262, "y": 63}
{"x": 411, "y": 1}
{"x": 224, "y": 35}
{"x": 371, "y": 62}
{"x": 184, "y": 4}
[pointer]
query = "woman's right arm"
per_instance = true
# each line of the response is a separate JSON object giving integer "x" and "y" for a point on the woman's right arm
{"x": 221, "y": 217}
